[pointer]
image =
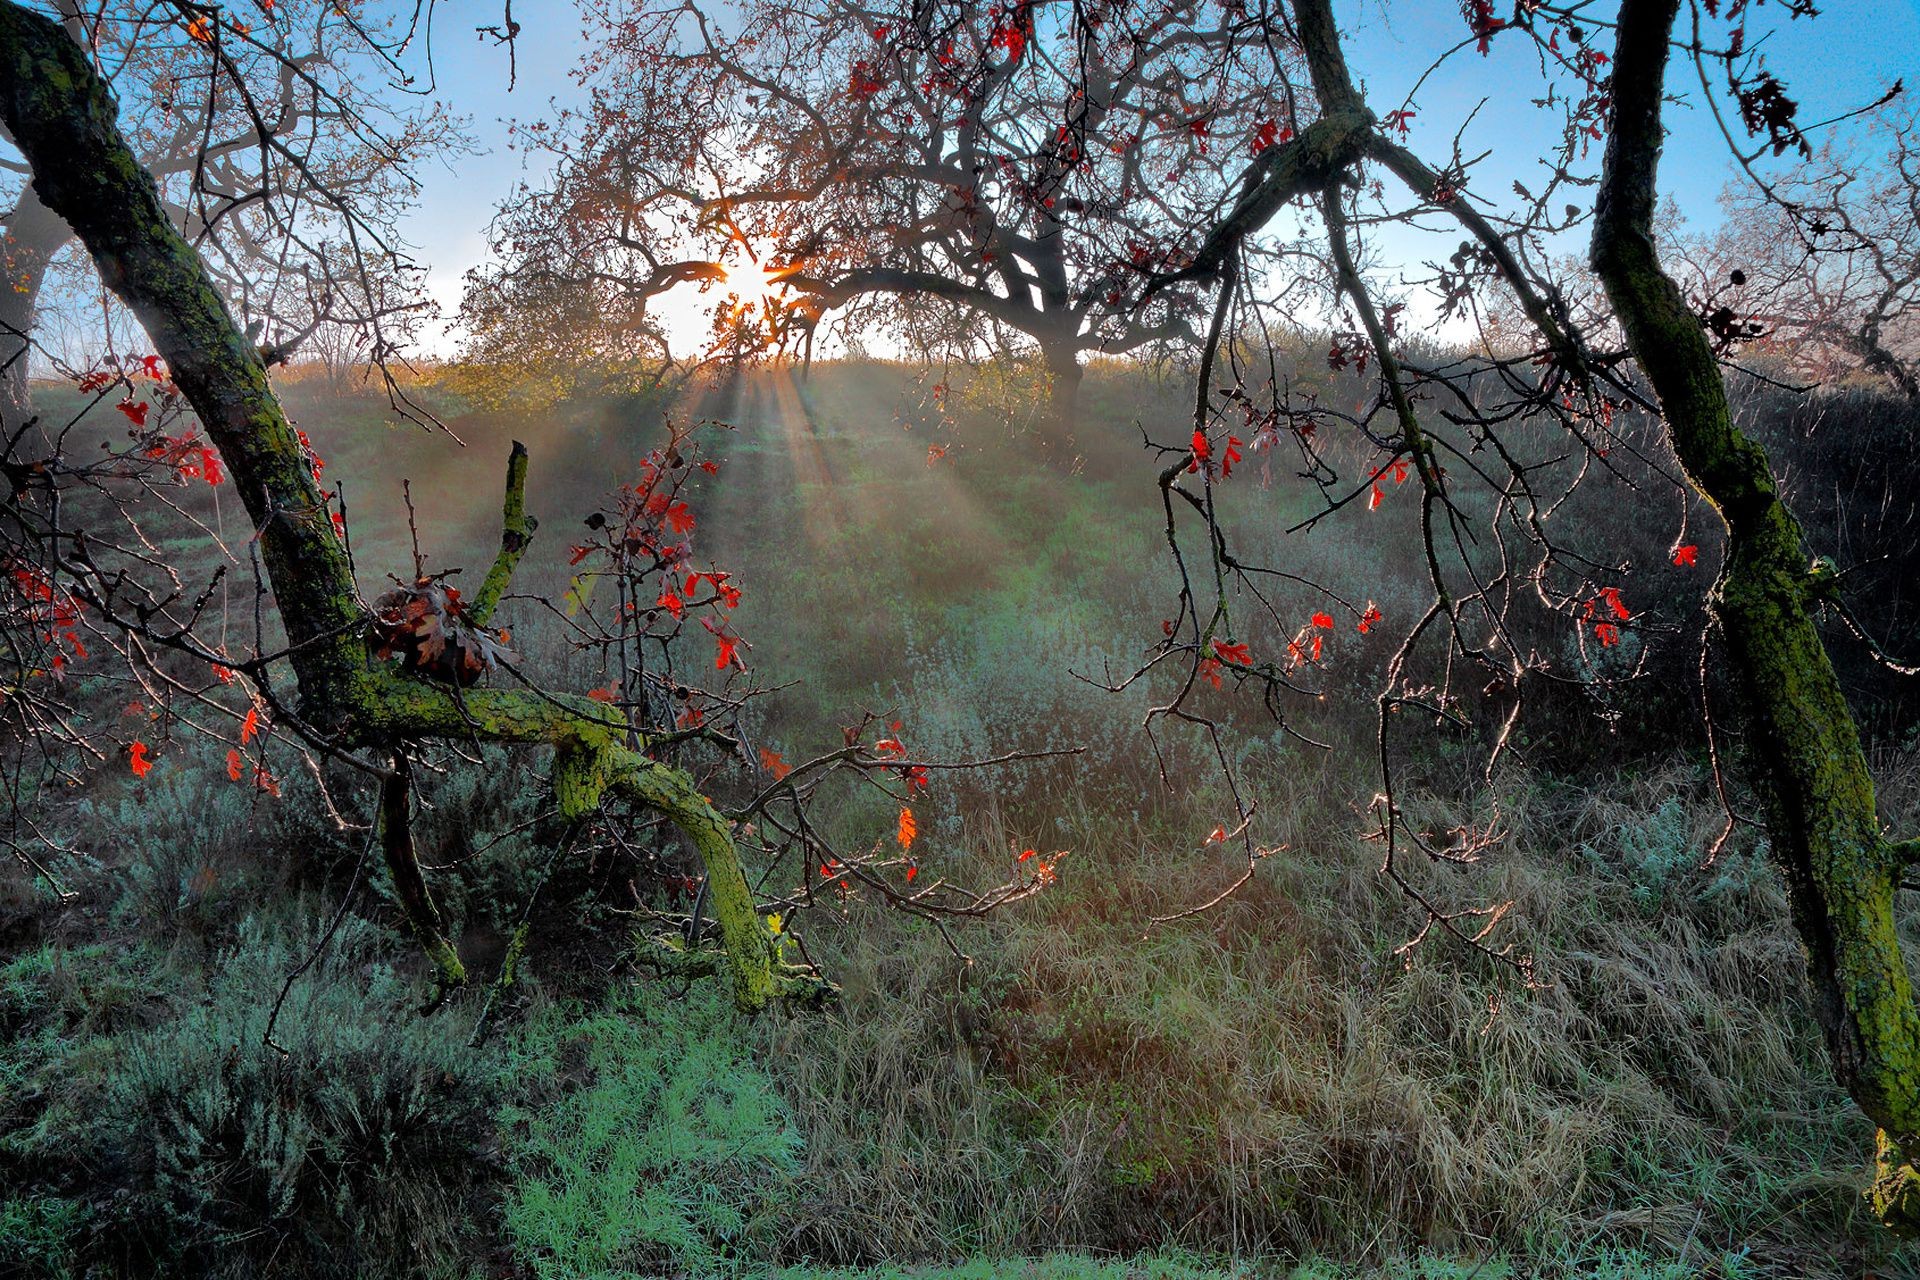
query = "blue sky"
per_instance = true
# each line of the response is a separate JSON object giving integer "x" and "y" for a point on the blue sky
{"x": 1847, "y": 55}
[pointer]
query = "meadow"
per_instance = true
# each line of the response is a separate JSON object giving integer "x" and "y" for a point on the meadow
{"x": 1062, "y": 1091}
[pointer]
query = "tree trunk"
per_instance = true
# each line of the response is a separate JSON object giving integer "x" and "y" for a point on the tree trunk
{"x": 33, "y": 235}
{"x": 1841, "y": 871}
{"x": 62, "y": 118}
{"x": 1064, "y": 375}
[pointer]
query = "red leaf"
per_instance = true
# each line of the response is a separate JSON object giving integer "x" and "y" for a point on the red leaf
{"x": 602, "y": 694}
{"x": 1608, "y": 633}
{"x": 913, "y": 870}
{"x": 1217, "y": 835}
{"x": 1238, "y": 654}
{"x": 233, "y": 766}
{"x": 1373, "y": 503}
{"x": 1368, "y": 619}
{"x": 1324, "y": 621}
{"x": 1685, "y": 556}
{"x": 250, "y": 727}
{"x": 137, "y": 760}
{"x": 136, "y": 411}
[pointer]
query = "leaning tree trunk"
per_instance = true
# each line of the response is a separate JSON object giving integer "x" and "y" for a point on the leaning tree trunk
{"x": 34, "y": 233}
{"x": 62, "y": 118}
{"x": 1841, "y": 870}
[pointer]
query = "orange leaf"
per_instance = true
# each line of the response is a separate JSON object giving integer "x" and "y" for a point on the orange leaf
{"x": 250, "y": 727}
{"x": 908, "y": 829}
{"x": 233, "y": 765}
{"x": 774, "y": 765}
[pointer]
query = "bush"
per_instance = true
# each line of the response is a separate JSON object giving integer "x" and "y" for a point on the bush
{"x": 348, "y": 1150}
{"x": 651, "y": 1141}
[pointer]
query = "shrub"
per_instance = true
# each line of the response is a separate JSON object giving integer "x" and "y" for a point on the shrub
{"x": 652, "y": 1141}
{"x": 347, "y": 1150}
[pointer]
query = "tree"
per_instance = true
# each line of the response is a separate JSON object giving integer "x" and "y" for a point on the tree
{"x": 371, "y": 687}
{"x": 947, "y": 174}
{"x": 1486, "y": 466}
{"x": 1842, "y": 870}
{"x": 1824, "y": 257}
{"x": 273, "y": 148}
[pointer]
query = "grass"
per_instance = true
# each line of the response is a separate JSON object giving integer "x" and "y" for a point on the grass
{"x": 1082, "y": 1094}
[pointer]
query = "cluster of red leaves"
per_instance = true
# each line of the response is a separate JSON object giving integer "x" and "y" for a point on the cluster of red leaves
{"x": 1480, "y": 20}
{"x": 1270, "y": 134}
{"x": 1043, "y": 869}
{"x": 1399, "y": 469}
{"x": 647, "y": 537}
{"x": 1203, "y": 455}
{"x": 1605, "y": 626}
{"x": 189, "y": 458}
{"x": 1011, "y": 29}
{"x": 47, "y": 614}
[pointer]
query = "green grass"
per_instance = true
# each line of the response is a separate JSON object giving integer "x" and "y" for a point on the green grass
{"x": 1085, "y": 1095}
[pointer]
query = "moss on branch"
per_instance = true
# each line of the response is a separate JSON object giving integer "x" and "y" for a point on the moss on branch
{"x": 516, "y": 532}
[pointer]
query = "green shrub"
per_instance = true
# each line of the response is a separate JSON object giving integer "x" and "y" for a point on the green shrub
{"x": 347, "y": 1150}
{"x": 657, "y": 1142}
{"x": 39, "y": 1235}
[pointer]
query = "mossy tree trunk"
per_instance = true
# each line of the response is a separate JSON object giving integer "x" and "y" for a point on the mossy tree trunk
{"x": 1841, "y": 870}
{"x": 63, "y": 119}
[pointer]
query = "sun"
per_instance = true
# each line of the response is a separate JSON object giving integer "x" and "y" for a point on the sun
{"x": 752, "y": 282}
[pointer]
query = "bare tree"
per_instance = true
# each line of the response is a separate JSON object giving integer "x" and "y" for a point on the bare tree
{"x": 1824, "y": 261}
{"x": 954, "y": 173}
{"x": 275, "y": 149}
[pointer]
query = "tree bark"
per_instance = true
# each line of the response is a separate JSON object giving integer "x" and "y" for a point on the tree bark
{"x": 1064, "y": 376}
{"x": 34, "y": 233}
{"x": 1841, "y": 870}
{"x": 62, "y": 118}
